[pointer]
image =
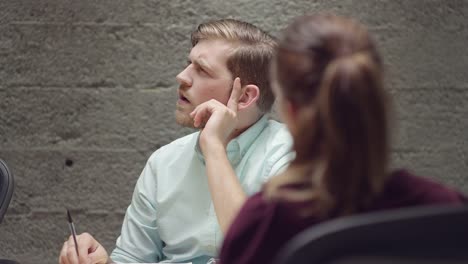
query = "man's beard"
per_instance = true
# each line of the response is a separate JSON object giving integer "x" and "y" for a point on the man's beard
{"x": 182, "y": 115}
{"x": 184, "y": 120}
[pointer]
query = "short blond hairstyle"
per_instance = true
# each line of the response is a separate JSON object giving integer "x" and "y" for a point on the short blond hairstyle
{"x": 250, "y": 60}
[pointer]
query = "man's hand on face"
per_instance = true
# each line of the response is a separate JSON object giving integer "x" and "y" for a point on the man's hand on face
{"x": 220, "y": 120}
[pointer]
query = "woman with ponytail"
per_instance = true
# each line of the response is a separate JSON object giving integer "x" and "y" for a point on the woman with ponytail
{"x": 327, "y": 77}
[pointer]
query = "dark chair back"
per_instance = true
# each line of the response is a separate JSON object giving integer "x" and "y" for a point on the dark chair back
{"x": 426, "y": 234}
{"x": 6, "y": 192}
{"x": 6, "y": 188}
{"x": 8, "y": 261}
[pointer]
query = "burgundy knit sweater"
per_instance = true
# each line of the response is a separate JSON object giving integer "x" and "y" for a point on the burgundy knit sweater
{"x": 263, "y": 227}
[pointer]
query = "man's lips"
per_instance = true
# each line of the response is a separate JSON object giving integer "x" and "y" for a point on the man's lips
{"x": 183, "y": 99}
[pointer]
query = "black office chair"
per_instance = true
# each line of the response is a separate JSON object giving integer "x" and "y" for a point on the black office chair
{"x": 426, "y": 234}
{"x": 6, "y": 188}
{"x": 6, "y": 192}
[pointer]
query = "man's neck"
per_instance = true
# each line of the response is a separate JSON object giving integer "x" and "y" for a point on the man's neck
{"x": 242, "y": 128}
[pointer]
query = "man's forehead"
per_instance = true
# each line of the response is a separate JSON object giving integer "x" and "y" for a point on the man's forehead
{"x": 211, "y": 49}
{"x": 211, "y": 53}
{"x": 202, "y": 58}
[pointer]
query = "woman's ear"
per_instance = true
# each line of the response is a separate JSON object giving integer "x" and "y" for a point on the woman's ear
{"x": 249, "y": 96}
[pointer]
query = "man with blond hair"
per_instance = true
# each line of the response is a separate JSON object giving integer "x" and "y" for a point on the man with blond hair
{"x": 191, "y": 189}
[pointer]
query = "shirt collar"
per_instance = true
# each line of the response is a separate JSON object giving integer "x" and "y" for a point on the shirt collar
{"x": 238, "y": 146}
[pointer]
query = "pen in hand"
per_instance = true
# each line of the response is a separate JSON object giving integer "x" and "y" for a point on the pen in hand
{"x": 72, "y": 230}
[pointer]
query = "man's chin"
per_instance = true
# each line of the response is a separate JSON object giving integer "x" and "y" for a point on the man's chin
{"x": 184, "y": 120}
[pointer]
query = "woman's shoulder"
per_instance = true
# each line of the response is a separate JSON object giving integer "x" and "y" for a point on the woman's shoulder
{"x": 258, "y": 209}
{"x": 259, "y": 230}
{"x": 406, "y": 187}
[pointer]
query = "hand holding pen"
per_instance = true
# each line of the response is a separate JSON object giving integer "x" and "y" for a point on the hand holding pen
{"x": 82, "y": 249}
{"x": 72, "y": 231}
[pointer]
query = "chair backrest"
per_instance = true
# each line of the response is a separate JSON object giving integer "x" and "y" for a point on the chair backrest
{"x": 8, "y": 261}
{"x": 425, "y": 234}
{"x": 6, "y": 188}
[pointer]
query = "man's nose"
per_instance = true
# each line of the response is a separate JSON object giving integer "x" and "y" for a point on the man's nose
{"x": 183, "y": 78}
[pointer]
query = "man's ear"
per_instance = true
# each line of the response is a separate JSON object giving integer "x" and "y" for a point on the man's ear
{"x": 250, "y": 95}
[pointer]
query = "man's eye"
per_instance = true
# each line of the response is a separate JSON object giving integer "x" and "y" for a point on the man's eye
{"x": 197, "y": 67}
{"x": 200, "y": 69}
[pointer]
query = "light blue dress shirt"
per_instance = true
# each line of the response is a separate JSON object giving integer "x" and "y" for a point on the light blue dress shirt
{"x": 171, "y": 217}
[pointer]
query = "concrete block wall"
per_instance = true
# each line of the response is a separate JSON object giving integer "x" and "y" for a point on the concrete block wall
{"x": 87, "y": 93}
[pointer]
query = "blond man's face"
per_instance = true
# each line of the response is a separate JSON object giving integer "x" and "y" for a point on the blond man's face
{"x": 205, "y": 77}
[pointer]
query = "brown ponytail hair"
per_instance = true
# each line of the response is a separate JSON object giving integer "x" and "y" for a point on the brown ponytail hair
{"x": 329, "y": 68}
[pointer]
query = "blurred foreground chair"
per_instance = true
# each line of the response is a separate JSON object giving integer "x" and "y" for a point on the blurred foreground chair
{"x": 6, "y": 192}
{"x": 426, "y": 234}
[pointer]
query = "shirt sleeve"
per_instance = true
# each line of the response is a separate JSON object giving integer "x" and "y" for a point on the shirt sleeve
{"x": 139, "y": 240}
{"x": 281, "y": 156}
{"x": 279, "y": 165}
